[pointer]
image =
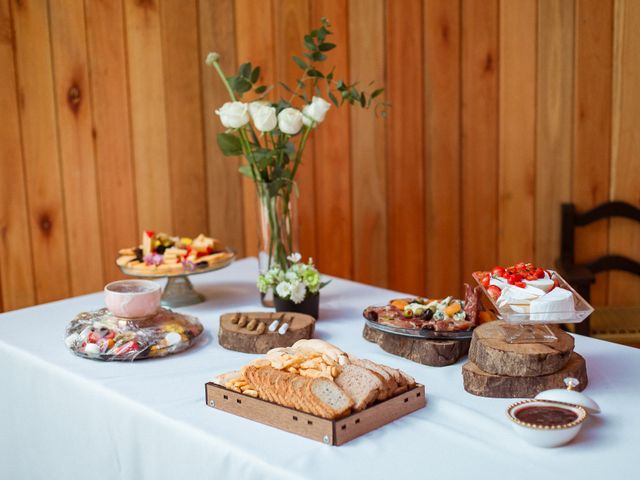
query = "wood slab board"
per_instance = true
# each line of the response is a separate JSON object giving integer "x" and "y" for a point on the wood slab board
{"x": 232, "y": 336}
{"x": 434, "y": 353}
{"x": 483, "y": 384}
{"x": 492, "y": 354}
{"x": 330, "y": 432}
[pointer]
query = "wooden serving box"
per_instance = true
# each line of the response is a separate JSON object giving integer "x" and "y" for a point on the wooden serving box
{"x": 330, "y": 432}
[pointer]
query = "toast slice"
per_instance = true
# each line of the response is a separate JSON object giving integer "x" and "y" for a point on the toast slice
{"x": 360, "y": 384}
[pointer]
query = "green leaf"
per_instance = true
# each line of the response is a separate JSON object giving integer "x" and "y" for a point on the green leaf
{"x": 318, "y": 57}
{"x": 325, "y": 47}
{"x": 377, "y": 92}
{"x": 301, "y": 63}
{"x": 246, "y": 171}
{"x": 242, "y": 85}
{"x": 261, "y": 89}
{"x": 309, "y": 43}
{"x": 229, "y": 144}
{"x": 300, "y": 83}
{"x": 315, "y": 73}
{"x": 255, "y": 75}
{"x": 333, "y": 98}
{"x": 363, "y": 100}
{"x": 245, "y": 70}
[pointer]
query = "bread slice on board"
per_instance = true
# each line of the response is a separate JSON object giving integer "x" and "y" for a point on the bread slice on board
{"x": 388, "y": 382}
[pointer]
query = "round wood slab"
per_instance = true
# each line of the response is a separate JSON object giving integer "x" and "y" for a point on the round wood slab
{"x": 492, "y": 354}
{"x": 435, "y": 353}
{"x": 233, "y": 336}
{"x": 486, "y": 384}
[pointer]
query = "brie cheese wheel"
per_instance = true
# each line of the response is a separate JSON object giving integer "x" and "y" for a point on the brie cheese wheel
{"x": 555, "y": 306}
{"x": 544, "y": 284}
{"x": 518, "y": 296}
{"x": 520, "y": 308}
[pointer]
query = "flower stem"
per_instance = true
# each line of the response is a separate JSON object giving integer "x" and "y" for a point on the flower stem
{"x": 216, "y": 65}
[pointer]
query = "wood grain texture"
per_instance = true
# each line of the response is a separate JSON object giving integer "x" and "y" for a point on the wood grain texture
{"x": 293, "y": 20}
{"x": 369, "y": 188}
{"x": 518, "y": 22}
{"x": 16, "y": 267}
{"x": 182, "y": 60}
{"x": 148, "y": 115}
{"x": 405, "y": 147}
{"x": 40, "y": 150}
{"x": 254, "y": 43}
{"x": 624, "y": 235}
{"x": 111, "y": 131}
{"x": 224, "y": 187}
{"x": 592, "y": 128}
{"x": 74, "y": 120}
{"x": 497, "y": 117}
{"x": 332, "y": 157}
{"x": 479, "y": 135}
{"x": 442, "y": 136}
{"x": 554, "y": 117}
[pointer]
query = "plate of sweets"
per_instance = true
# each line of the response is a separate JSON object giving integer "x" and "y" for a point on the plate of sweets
{"x": 162, "y": 255}
{"x": 449, "y": 317}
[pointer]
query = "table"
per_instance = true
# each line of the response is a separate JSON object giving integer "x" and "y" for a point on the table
{"x": 63, "y": 417}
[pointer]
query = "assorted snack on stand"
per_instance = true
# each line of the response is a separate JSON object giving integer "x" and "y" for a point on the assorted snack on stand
{"x": 526, "y": 289}
{"x": 161, "y": 255}
{"x": 316, "y": 377}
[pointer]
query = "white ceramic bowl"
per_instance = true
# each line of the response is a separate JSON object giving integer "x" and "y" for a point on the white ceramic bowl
{"x": 132, "y": 298}
{"x": 544, "y": 435}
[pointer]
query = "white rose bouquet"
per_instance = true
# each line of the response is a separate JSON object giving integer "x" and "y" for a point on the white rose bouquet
{"x": 272, "y": 135}
{"x": 293, "y": 283}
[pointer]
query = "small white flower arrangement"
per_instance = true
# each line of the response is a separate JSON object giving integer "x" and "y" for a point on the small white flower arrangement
{"x": 295, "y": 282}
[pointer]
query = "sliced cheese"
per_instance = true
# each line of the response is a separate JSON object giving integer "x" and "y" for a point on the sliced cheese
{"x": 518, "y": 296}
{"x": 555, "y": 306}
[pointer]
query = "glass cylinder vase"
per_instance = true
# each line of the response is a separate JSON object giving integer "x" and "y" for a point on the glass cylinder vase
{"x": 277, "y": 229}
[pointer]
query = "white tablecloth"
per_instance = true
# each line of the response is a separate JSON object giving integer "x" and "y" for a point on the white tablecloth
{"x": 65, "y": 417}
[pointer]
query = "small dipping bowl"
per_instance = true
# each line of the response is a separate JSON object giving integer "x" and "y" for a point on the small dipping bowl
{"x": 545, "y": 433}
{"x": 132, "y": 298}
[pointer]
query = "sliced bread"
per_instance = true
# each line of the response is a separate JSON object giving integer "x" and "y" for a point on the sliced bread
{"x": 388, "y": 382}
{"x": 360, "y": 384}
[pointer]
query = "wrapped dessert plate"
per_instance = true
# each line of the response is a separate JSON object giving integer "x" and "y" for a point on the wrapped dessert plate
{"x": 101, "y": 335}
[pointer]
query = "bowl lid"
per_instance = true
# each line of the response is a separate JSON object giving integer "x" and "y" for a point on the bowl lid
{"x": 569, "y": 395}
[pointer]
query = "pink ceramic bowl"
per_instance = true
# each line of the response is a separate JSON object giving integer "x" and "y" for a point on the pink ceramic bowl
{"x": 132, "y": 298}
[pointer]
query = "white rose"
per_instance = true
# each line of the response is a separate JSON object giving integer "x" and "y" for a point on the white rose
{"x": 298, "y": 292}
{"x": 315, "y": 112}
{"x": 290, "y": 121}
{"x": 283, "y": 289}
{"x": 264, "y": 116}
{"x": 234, "y": 114}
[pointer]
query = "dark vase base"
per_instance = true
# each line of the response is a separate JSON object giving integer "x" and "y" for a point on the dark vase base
{"x": 310, "y": 305}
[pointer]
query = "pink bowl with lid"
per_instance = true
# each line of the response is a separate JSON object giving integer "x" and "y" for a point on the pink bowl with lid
{"x": 132, "y": 298}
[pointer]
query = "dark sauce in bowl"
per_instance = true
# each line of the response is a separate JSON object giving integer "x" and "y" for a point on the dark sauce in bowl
{"x": 546, "y": 415}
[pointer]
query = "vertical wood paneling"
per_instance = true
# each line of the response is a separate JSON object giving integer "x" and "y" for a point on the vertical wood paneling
{"x": 479, "y": 134}
{"x": 254, "y": 43}
{"x": 224, "y": 187}
{"x": 73, "y": 107}
{"x": 332, "y": 159}
{"x": 369, "y": 188}
{"x": 183, "y": 101}
{"x": 292, "y": 20}
{"x": 517, "y": 131}
{"x": 405, "y": 147}
{"x": 111, "y": 130}
{"x": 554, "y": 117}
{"x": 624, "y": 235}
{"x": 442, "y": 123}
{"x": 148, "y": 115}
{"x": 16, "y": 267}
{"x": 593, "y": 128}
{"x": 40, "y": 149}
{"x": 501, "y": 111}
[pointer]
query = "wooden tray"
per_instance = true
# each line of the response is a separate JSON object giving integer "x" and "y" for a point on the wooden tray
{"x": 330, "y": 432}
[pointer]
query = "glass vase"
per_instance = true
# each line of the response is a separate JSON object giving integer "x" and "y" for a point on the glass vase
{"x": 277, "y": 229}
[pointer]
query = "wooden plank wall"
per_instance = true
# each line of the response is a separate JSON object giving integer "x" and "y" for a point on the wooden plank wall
{"x": 501, "y": 110}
